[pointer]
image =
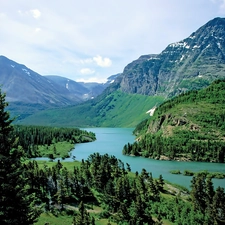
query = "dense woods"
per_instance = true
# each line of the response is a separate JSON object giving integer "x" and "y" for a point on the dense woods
{"x": 186, "y": 145}
{"x": 189, "y": 126}
{"x": 33, "y": 138}
{"x": 105, "y": 181}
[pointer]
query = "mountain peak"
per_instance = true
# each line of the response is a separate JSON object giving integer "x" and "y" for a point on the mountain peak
{"x": 216, "y": 21}
{"x": 191, "y": 63}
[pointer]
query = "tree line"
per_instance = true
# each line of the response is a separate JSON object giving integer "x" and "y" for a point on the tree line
{"x": 188, "y": 144}
{"x": 30, "y": 137}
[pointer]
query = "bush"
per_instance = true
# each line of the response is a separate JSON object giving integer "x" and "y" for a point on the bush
{"x": 188, "y": 173}
{"x": 104, "y": 214}
{"x": 175, "y": 171}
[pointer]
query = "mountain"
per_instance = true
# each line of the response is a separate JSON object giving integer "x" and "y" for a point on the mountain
{"x": 190, "y": 64}
{"x": 190, "y": 126}
{"x": 82, "y": 90}
{"x": 28, "y": 92}
{"x": 96, "y": 89}
{"x": 74, "y": 88}
{"x": 24, "y": 85}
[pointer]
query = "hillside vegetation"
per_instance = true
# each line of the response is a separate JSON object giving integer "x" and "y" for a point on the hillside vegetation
{"x": 52, "y": 142}
{"x": 189, "y": 127}
{"x": 116, "y": 109}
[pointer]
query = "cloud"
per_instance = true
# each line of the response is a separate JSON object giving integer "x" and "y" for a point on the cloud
{"x": 86, "y": 61}
{"x": 87, "y": 71}
{"x": 92, "y": 79}
{"x": 37, "y": 30}
{"x": 103, "y": 62}
{"x": 35, "y": 13}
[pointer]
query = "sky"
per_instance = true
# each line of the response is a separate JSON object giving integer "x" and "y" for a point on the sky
{"x": 90, "y": 40}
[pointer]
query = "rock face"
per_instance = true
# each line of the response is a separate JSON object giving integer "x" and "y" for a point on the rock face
{"x": 192, "y": 63}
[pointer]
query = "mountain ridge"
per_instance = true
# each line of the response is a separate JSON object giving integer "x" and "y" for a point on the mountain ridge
{"x": 29, "y": 92}
{"x": 190, "y": 64}
{"x": 167, "y": 73}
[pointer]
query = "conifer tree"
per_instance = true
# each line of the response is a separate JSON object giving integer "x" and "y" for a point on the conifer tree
{"x": 83, "y": 217}
{"x": 16, "y": 205}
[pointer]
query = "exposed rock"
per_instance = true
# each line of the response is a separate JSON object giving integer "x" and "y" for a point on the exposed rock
{"x": 192, "y": 63}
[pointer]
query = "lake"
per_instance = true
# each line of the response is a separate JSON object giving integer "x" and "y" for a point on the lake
{"x": 112, "y": 140}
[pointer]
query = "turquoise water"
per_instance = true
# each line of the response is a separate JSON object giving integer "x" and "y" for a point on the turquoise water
{"x": 112, "y": 140}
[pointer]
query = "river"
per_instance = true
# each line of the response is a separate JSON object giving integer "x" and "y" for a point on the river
{"x": 112, "y": 140}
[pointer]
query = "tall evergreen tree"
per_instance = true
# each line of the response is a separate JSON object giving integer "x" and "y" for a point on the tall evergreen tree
{"x": 16, "y": 205}
{"x": 83, "y": 217}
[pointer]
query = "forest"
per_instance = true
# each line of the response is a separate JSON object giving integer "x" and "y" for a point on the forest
{"x": 190, "y": 125}
{"x": 29, "y": 189}
{"x": 39, "y": 141}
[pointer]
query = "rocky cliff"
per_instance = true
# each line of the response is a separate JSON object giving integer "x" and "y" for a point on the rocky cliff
{"x": 192, "y": 63}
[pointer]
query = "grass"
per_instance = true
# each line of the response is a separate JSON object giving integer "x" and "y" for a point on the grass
{"x": 62, "y": 219}
{"x": 117, "y": 109}
{"x": 68, "y": 165}
{"x": 58, "y": 150}
{"x": 53, "y": 220}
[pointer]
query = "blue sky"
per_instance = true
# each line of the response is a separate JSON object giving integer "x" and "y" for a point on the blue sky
{"x": 89, "y": 40}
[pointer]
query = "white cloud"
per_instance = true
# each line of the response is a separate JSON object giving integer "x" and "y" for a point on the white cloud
{"x": 103, "y": 62}
{"x": 87, "y": 71}
{"x": 86, "y": 61}
{"x": 35, "y": 13}
{"x": 92, "y": 79}
{"x": 38, "y": 29}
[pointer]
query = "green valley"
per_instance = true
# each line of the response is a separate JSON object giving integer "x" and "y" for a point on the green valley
{"x": 116, "y": 109}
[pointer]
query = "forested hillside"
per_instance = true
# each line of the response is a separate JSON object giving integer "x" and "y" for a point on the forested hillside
{"x": 188, "y": 127}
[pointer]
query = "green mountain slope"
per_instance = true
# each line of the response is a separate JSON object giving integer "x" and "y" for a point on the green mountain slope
{"x": 190, "y": 126}
{"x": 116, "y": 109}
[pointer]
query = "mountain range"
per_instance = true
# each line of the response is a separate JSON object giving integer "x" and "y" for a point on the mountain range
{"x": 192, "y": 63}
{"x": 28, "y": 92}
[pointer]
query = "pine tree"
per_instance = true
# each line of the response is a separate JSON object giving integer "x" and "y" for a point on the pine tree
{"x": 83, "y": 217}
{"x": 16, "y": 205}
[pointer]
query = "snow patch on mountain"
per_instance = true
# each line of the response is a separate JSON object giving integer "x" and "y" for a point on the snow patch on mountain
{"x": 26, "y": 71}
